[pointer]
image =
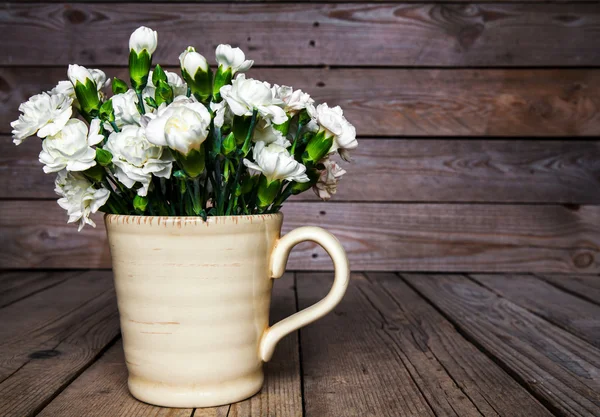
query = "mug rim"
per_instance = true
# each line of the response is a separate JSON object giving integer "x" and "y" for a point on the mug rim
{"x": 189, "y": 220}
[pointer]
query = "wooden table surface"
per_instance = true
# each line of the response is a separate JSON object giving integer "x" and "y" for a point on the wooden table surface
{"x": 398, "y": 345}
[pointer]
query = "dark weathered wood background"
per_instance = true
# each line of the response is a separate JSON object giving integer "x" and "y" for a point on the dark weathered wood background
{"x": 478, "y": 123}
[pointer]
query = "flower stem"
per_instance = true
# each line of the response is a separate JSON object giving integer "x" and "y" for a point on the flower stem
{"x": 141, "y": 107}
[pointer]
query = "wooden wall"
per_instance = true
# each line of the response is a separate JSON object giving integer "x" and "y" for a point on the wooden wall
{"x": 478, "y": 123}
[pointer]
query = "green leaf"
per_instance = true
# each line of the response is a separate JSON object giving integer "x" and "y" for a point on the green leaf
{"x": 119, "y": 86}
{"x": 180, "y": 174}
{"x": 103, "y": 157}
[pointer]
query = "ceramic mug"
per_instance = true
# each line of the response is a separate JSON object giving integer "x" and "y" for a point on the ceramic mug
{"x": 194, "y": 301}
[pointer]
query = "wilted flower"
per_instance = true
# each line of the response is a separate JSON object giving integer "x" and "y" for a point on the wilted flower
{"x": 245, "y": 95}
{"x": 44, "y": 114}
{"x": 70, "y": 148}
{"x": 143, "y": 38}
{"x": 182, "y": 126}
{"x": 79, "y": 197}
{"x": 326, "y": 186}
{"x": 136, "y": 159}
{"x": 232, "y": 58}
{"x": 331, "y": 120}
{"x": 276, "y": 163}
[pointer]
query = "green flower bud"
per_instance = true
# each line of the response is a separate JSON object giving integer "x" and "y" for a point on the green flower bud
{"x": 300, "y": 187}
{"x": 240, "y": 127}
{"x": 95, "y": 173}
{"x": 140, "y": 203}
{"x": 163, "y": 93}
{"x": 103, "y": 157}
{"x": 106, "y": 111}
{"x": 317, "y": 148}
{"x": 284, "y": 128}
{"x": 119, "y": 86}
{"x": 193, "y": 163}
{"x": 158, "y": 75}
{"x": 222, "y": 77}
{"x": 139, "y": 68}
{"x": 151, "y": 102}
{"x": 197, "y": 74}
{"x": 229, "y": 144}
{"x": 267, "y": 191}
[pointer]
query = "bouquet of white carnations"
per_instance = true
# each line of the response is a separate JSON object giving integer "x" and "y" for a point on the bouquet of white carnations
{"x": 207, "y": 145}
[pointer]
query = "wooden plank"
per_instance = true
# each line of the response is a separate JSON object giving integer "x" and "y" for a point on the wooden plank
{"x": 47, "y": 339}
{"x": 584, "y": 286}
{"x": 384, "y": 350}
{"x": 559, "y": 368}
{"x": 298, "y": 1}
{"x": 375, "y": 235}
{"x": 15, "y": 286}
{"x": 567, "y": 311}
{"x": 310, "y": 34}
{"x": 346, "y": 364}
{"x": 104, "y": 388}
{"x": 407, "y": 102}
{"x": 104, "y": 384}
{"x": 409, "y": 237}
{"x": 472, "y": 170}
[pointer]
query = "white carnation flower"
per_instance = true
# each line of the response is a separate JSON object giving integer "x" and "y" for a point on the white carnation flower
{"x": 245, "y": 95}
{"x": 125, "y": 109}
{"x": 136, "y": 160}
{"x": 143, "y": 38}
{"x": 177, "y": 84}
{"x": 326, "y": 186}
{"x": 233, "y": 58}
{"x": 332, "y": 120}
{"x": 222, "y": 113}
{"x": 265, "y": 132}
{"x": 71, "y": 147}
{"x": 276, "y": 163}
{"x": 44, "y": 114}
{"x": 79, "y": 197}
{"x": 182, "y": 125}
{"x": 294, "y": 100}
{"x": 192, "y": 62}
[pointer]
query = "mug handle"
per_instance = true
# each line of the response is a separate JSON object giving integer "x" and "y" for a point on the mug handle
{"x": 279, "y": 258}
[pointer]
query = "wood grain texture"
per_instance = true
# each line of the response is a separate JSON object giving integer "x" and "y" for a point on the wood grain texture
{"x": 567, "y": 311}
{"x": 407, "y": 102}
{"x": 15, "y": 286}
{"x": 383, "y": 329}
{"x": 346, "y": 362}
{"x": 584, "y": 286}
{"x": 561, "y": 369}
{"x": 104, "y": 385}
{"x": 416, "y": 237}
{"x": 310, "y": 34}
{"x": 50, "y": 337}
{"x": 412, "y": 170}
